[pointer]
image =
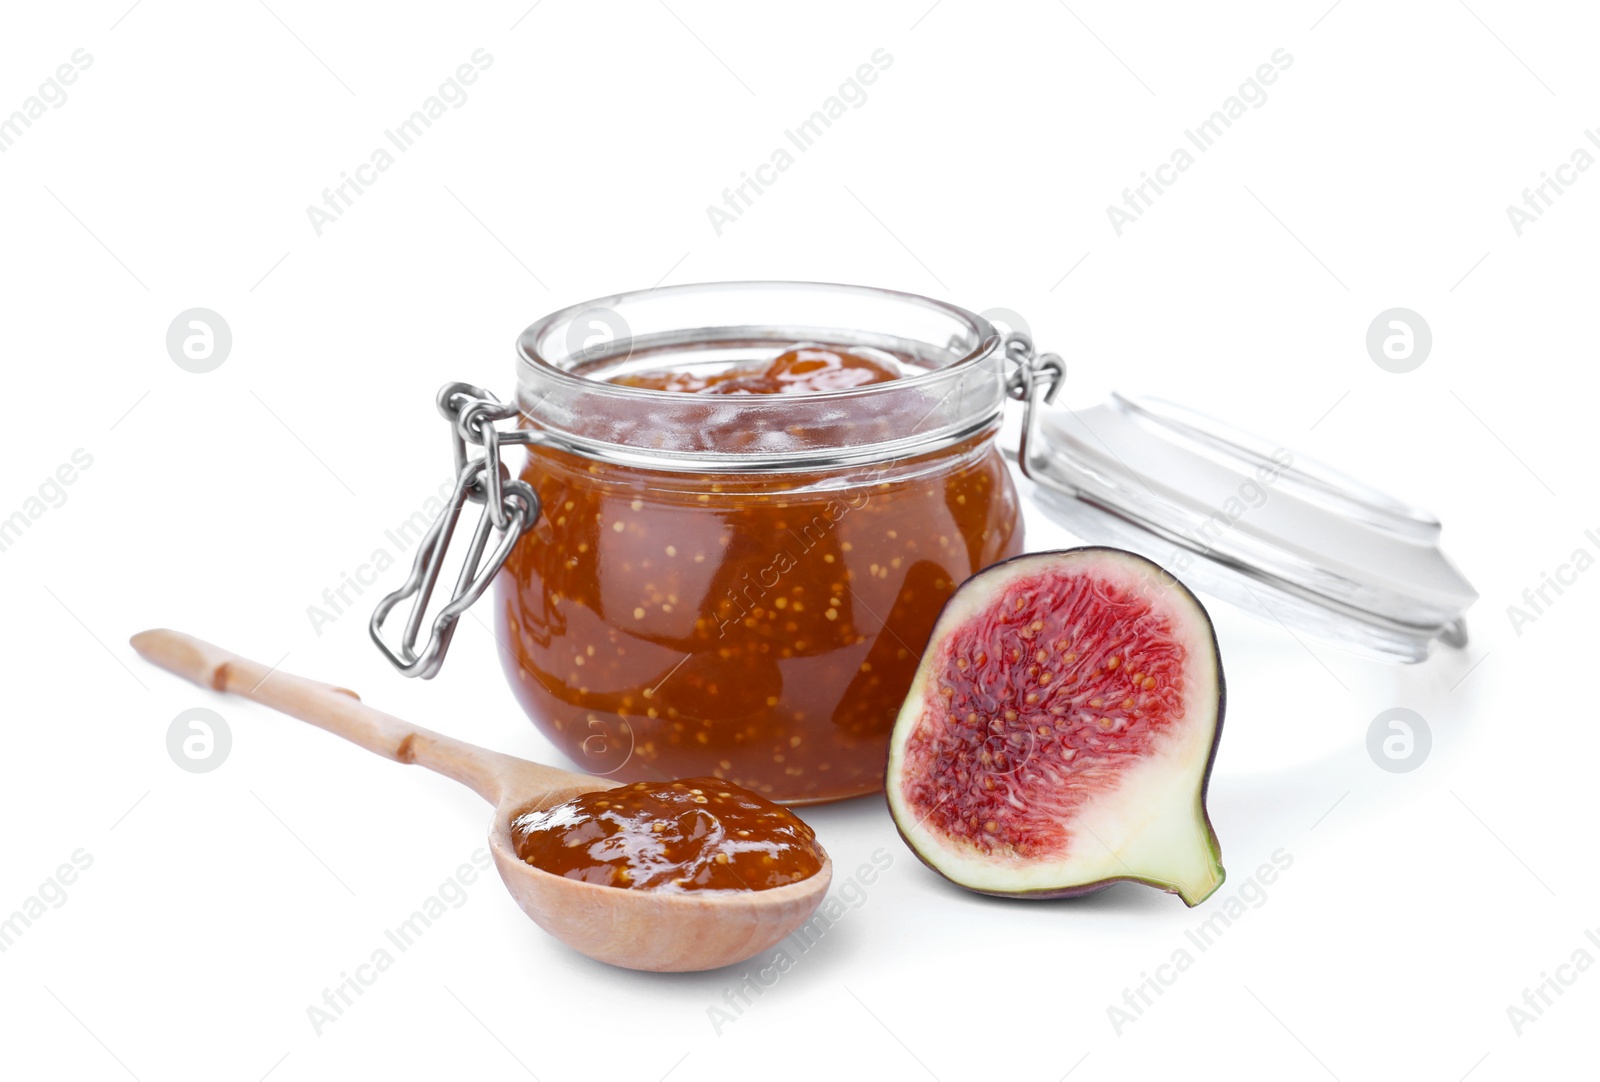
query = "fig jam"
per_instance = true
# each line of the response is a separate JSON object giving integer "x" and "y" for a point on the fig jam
{"x": 796, "y": 371}
{"x": 762, "y": 628}
{"x": 695, "y": 834}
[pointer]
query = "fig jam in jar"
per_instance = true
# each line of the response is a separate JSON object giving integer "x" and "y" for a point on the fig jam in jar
{"x": 754, "y": 500}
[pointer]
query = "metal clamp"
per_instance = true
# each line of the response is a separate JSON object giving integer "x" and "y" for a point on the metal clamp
{"x": 1030, "y": 373}
{"x": 511, "y": 509}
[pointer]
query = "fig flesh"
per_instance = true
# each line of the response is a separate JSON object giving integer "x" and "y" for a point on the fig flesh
{"x": 1060, "y": 729}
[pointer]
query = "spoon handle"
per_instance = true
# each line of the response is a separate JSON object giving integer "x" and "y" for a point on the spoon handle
{"x": 341, "y": 712}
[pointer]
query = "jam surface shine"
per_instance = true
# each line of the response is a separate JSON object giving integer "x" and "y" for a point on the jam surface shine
{"x": 695, "y": 834}
{"x": 762, "y": 628}
{"x": 803, "y": 369}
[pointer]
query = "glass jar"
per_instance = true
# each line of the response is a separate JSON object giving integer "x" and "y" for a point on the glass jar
{"x": 741, "y": 585}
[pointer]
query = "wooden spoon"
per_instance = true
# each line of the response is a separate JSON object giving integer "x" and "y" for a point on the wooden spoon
{"x": 638, "y": 929}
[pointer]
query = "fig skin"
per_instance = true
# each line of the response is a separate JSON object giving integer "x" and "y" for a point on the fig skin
{"x": 1078, "y": 890}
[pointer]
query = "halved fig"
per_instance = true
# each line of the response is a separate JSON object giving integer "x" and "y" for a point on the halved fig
{"x": 1060, "y": 730}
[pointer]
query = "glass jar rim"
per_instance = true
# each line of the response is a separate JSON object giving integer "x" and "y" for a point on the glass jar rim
{"x": 987, "y": 338}
{"x": 563, "y": 398}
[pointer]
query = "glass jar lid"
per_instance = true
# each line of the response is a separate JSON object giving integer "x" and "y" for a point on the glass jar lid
{"x": 1277, "y": 534}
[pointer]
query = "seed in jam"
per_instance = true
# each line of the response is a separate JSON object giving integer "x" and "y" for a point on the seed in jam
{"x": 695, "y": 834}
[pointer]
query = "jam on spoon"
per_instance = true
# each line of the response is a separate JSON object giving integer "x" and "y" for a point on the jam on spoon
{"x": 697, "y": 834}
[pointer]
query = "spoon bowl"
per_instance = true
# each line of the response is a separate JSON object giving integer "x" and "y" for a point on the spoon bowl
{"x": 636, "y": 929}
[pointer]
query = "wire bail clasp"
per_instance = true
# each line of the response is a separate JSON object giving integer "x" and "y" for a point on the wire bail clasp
{"x": 511, "y": 509}
{"x": 1031, "y": 373}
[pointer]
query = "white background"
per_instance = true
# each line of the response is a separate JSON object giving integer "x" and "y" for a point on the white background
{"x": 219, "y": 906}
